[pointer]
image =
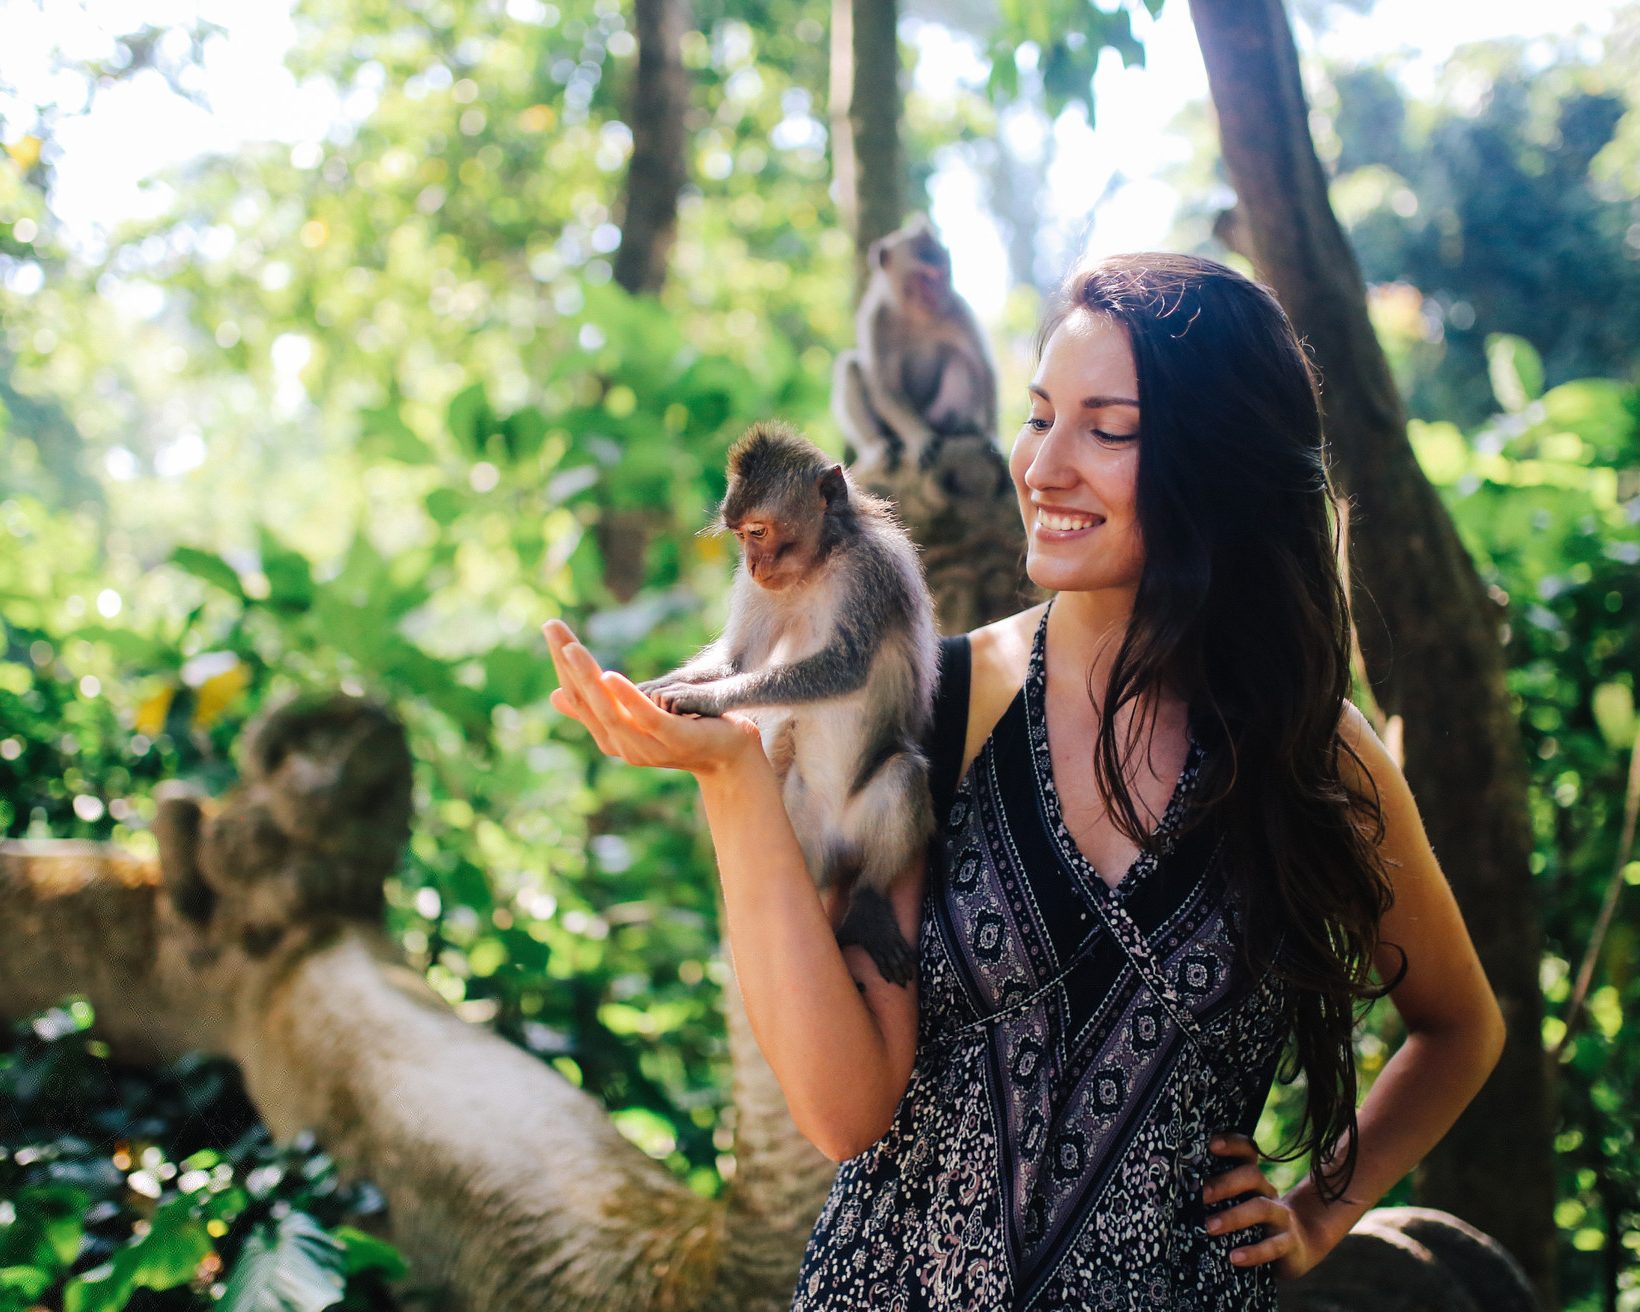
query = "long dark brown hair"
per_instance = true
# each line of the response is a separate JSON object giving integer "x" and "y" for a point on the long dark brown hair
{"x": 1241, "y": 608}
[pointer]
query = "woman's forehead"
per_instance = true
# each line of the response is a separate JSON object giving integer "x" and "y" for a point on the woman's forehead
{"x": 1088, "y": 354}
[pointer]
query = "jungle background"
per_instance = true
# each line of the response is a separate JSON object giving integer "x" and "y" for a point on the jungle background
{"x": 359, "y": 408}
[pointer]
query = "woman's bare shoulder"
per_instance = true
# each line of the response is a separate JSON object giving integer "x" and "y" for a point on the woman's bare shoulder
{"x": 1001, "y": 652}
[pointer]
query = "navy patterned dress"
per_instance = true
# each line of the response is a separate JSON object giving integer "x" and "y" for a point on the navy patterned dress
{"x": 1076, "y": 1046}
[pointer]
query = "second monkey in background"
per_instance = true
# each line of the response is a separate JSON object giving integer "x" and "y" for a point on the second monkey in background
{"x": 830, "y": 647}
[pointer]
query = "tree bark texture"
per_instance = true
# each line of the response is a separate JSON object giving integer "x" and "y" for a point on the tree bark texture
{"x": 1428, "y": 633}
{"x": 658, "y": 117}
{"x": 878, "y": 199}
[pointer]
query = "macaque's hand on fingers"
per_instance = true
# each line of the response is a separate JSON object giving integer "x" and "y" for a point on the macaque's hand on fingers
{"x": 1287, "y": 1241}
{"x": 685, "y": 698}
{"x": 627, "y": 725}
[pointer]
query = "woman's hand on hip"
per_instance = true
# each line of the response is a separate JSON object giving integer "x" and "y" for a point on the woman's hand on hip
{"x": 1288, "y": 1242}
{"x": 626, "y": 724}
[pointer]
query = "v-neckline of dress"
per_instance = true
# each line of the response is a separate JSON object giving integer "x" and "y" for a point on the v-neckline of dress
{"x": 1161, "y": 837}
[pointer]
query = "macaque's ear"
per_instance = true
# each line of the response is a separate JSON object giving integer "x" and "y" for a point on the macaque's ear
{"x": 834, "y": 487}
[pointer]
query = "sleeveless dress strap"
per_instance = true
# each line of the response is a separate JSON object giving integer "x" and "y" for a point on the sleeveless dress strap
{"x": 949, "y": 731}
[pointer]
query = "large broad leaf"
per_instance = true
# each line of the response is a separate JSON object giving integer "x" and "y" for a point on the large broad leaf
{"x": 290, "y": 577}
{"x": 1604, "y": 412}
{"x": 368, "y": 1253}
{"x": 1516, "y": 370}
{"x": 167, "y": 1256}
{"x": 290, "y": 1266}
{"x": 47, "y": 1230}
{"x": 523, "y": 432}
{"x": 471, "y": 418}
{"x": 384, "y": 434}
{"x": 213, "y": 569}
{"x": 22, "y": 1286}
{"x": 1613, "y": 707}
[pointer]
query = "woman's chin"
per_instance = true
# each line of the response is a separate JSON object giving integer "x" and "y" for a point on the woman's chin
{"x": 1071, "y": 576}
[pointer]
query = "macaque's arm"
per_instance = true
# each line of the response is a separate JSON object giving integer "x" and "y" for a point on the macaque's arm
{"x": 880, "y": 373}
{"x": 707, "y": 666}
{"x": 840, "y": 667}
{"x": 850, "y": 406}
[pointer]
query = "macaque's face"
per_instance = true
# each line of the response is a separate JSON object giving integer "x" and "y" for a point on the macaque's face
{"x": 1075, "y": 464}
{"x": 776, "y": 547}
{"x": 921, "y": 270}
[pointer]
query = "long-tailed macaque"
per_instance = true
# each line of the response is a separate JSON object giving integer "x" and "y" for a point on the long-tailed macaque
{"x": 830, "y": 648}
{"x": 922, "y": 370}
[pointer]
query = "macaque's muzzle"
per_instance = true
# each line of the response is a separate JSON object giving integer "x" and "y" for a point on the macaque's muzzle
{"x": 767, "y": 574}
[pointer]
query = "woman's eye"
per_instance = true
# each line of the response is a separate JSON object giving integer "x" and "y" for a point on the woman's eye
{"x": 1037, "y": 424}
{"x": 1113, "y": 439}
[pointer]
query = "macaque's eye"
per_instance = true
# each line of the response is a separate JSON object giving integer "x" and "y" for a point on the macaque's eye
{"x": 757, "y": 532}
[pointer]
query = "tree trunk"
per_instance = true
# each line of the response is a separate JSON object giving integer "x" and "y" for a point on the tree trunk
{"x": 658, "y": 114}
{"x": 1428, "y": 633}
{"x": 658, "y": 118}
{"x": 868, "y": 163}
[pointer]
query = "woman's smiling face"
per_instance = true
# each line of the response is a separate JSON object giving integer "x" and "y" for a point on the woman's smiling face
{"x": 1075, "y": 463}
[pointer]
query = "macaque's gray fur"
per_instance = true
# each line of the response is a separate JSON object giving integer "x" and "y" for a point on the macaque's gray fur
{"x": 830, "y": 647}
{"x": 922, "y": 370}
{"x": 917, "y": 403}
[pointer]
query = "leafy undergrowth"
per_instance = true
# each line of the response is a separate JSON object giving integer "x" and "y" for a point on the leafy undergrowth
{"x": 116, "y": 1190}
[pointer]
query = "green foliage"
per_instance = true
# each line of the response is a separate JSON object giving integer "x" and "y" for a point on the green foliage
{"x": 289, "y": 1265}
{"x": 130, "y": 1187}
{"x": 1065, "y": 38}
{"x": 1506, "y": 202}
{"x": 392, "y": 414}
{"x": 1545, "y": 497}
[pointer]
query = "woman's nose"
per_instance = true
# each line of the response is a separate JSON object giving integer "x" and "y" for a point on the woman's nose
{"x": 1048, "y": 467}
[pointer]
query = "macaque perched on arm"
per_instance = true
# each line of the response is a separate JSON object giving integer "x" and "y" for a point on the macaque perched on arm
{"x": 922, "y": 370}
{"x": 830, "y": 648}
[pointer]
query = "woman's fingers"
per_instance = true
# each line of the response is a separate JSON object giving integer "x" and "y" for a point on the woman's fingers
{"x": 627, "y": 724}
{"x": 1230, "y": 1144}
{"x": 566, "y": 703}
{"x": 1276, "y": 1246}
{"x": 579, "y": 680}
{"x": 1255, "y": 1211}
{"x": 1246, "y": 1179}
{"x": 643, "y": 712}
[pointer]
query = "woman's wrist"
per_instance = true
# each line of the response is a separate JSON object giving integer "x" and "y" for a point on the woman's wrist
{"x": 743, "y": 766}
{"x": 1324, "y": 1223}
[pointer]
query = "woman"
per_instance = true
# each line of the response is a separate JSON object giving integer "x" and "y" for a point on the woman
{"x": 1176, "y": 851}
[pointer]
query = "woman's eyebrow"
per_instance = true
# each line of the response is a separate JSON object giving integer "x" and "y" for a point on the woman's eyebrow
{"x": 1088, "y": 402}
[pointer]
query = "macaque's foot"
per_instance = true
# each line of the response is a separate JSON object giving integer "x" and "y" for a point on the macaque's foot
{"x": 870, "y": 923}
{"x": 682, "y": 698}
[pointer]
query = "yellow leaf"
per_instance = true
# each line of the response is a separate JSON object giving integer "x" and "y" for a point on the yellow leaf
{"x": 216, "y": 694}
{"x": 151, "y": 714}
{"x": 25, "y": 153}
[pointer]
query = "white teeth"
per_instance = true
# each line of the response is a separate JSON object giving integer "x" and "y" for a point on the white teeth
{"x": 1065, "y": 522}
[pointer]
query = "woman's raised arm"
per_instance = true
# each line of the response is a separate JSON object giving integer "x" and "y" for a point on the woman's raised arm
{"x": 839, "y": 1038}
